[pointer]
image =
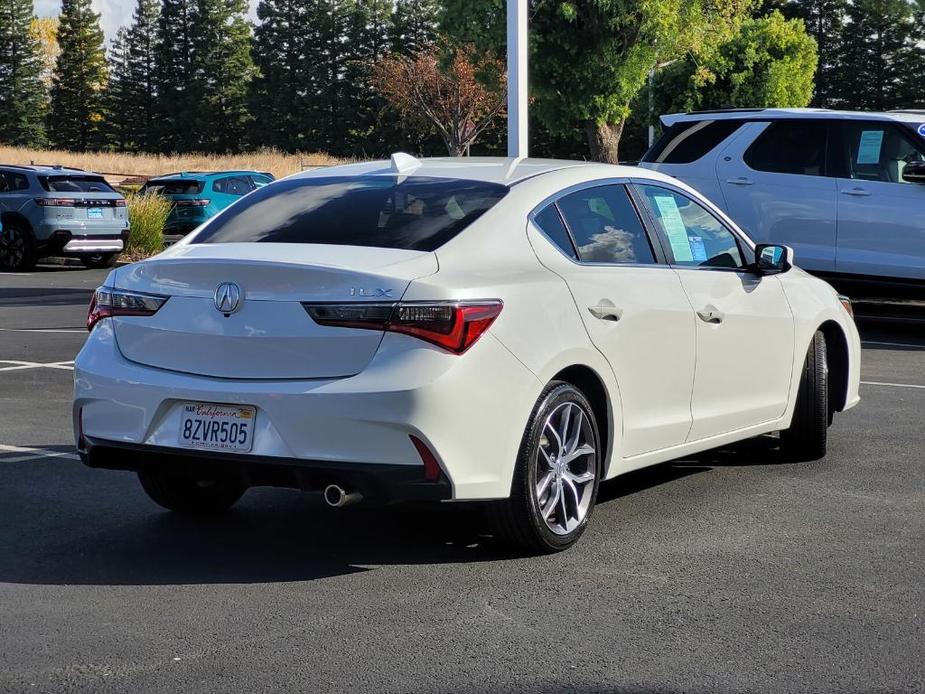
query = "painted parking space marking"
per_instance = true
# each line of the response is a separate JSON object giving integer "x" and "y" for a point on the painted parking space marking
{"x": 892, "y": 385}
{"x": 31, "y": 453}
{"x": 12, "y": 365}
{"x": 43, "y": 330}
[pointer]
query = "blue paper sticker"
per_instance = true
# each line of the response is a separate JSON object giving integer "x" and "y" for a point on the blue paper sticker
{"x": 921, "y": 130}
{"x": 698, "y": 250}
{"x": 869, "y": 147}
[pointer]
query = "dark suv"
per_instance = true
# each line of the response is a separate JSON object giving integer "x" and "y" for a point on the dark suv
{"x": 55, "y": 210}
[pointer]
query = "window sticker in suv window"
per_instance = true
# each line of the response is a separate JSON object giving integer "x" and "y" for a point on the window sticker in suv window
{"x": 869, "y": 147}
{"x": 674, "y": 228}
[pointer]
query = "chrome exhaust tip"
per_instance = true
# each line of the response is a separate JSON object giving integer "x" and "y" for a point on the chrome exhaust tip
{"x": 336, "y": 496}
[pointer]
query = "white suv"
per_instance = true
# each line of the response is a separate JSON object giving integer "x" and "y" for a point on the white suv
{"x": 844, "y": 189}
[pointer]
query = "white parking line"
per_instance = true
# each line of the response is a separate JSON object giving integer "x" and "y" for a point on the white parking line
{"x": 31, "y": 453}
{"x": 892, "y": 385}
{"x": 20, "y": 365}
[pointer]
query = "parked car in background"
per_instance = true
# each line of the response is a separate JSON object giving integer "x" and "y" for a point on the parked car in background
{"x": 55, "y": 210}
{"x": 510, "y": 331}
{"x": 844, "y": 189}
{"x": 200, "y": 195}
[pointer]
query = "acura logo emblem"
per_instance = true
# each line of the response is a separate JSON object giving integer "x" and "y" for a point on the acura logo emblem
{"x": 227, "y": 297}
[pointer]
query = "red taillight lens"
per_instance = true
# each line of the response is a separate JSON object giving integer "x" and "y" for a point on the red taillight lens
{"x": 119, "y": 203}
{"x": 107, "y": 302}
{"x": 431, "y": 466}
{"x": 55, "y": 202}
{"x": 453, "y": 326}
{"x": 192, "y": 203}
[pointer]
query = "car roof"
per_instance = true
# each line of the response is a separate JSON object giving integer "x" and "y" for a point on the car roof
{"x": 203, "y": 175}
{"x": 910, "y": 116}
{"x": 503, "y": 170}
{"x": 44, "y": 169}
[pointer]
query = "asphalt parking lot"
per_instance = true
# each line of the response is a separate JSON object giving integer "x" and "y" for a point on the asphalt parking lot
{"x": 726, "y": 573}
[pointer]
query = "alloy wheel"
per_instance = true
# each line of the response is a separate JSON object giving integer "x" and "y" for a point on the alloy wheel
{"x": 12, "y": 248}
{"x": 566, "y": 468}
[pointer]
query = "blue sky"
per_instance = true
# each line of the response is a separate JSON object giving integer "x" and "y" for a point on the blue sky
{"x": 113, "y": 13}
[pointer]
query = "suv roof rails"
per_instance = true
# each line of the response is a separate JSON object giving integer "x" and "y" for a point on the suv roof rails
{"x": 917, "y": 111}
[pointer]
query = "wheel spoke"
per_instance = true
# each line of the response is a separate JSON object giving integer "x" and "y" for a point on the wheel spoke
{"x": 543, "y": 484}
{"x": 577, "y": 453}
{"x": 555, "y": 435}
{"x": 545, "y": 455}
{"x": 563, "y": 521}
{"x": 570, "y": 485}
{"x": 580, "y": 478}
{"x": 552, "y": 501}
{"x": 573, "y": 442}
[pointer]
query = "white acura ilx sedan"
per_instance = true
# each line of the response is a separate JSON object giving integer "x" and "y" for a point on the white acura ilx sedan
{"x": 497, "y": 330}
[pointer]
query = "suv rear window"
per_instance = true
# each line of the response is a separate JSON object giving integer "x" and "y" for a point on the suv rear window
{"x": 795, "y": 146}
{"x": 412, "y": 213}
{"x": 173, "y": 187}
{"x": 683, "y": 143}
{"x": 75, "y": 184}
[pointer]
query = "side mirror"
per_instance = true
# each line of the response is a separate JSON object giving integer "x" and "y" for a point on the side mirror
{"x": 914, "y": 172}
{"x": 772, "y": 259}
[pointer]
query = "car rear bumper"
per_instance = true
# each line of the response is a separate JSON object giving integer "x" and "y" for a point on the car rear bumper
{"x": 70, "y": 243}
{"x": 377, "y": 483}
{"x": 469, "y": 411}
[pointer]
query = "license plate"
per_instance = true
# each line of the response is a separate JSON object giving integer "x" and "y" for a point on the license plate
{"x": 217, "y": 427}
{"x": 94, "y": 213}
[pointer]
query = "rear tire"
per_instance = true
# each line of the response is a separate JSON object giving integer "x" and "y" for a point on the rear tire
{"x": 99, "y": 261}
{"x": 188, "y": 495}
{"x": 17, "y": 249}
{"x": 807, "y": 437}
{"x": 556, "y": 476}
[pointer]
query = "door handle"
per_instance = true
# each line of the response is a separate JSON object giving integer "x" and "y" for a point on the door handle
{"x": 711, "y": 314}
{"x": 741, "y": 181}
{"x": 856, "y": 192}
{"x": 606, "y": 311}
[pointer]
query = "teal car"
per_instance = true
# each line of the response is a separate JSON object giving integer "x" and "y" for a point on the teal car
{"x": 200, "y": 195}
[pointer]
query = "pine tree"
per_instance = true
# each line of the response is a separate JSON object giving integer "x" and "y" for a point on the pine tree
{"x": 875, "y": 41}
{"x": 414, "y": 26}
{"x": 23, "y": 96}
{"x": 327, "y": 56}
{"x": 77, "y": 92}
{"x": 223, "y": 70}
{"x": 120, "y": 94}
{"x": 141, "y": 43}
{"x": 368, "y": 42}
{"x": 825, "y": 21}
{"x": 173, "y": 70}
{"x": 280, "y": 92}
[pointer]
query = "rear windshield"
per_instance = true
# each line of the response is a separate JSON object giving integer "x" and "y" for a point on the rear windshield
{"x": 75, "y": 184}
{"x": 177, "y": 187}
{"x": 412, "y": 213}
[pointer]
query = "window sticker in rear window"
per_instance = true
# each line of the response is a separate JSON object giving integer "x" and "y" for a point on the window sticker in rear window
{"x": 869, "y": 147}
{"x": 670, "y": 215}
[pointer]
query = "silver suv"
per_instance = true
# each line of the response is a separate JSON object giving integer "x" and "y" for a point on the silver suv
{"x": 55, "y": 210}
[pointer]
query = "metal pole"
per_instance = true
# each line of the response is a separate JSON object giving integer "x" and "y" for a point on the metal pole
{"x": 517, "y": 136}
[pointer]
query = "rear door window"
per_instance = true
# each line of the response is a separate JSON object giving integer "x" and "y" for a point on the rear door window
{"x": 878, "y": 151}
{"x": 407, "y": 212}
{"x": 683, "y": 143}
{"x": 790, "y": 147}
{"x": 173, "y": 187}
{"x": 75, "y": 184}
{"x": 694, "y": 236}
{"x": 13, "y": 182}
{"x": 233, "y": 185}
{"x": 605, "y": 226}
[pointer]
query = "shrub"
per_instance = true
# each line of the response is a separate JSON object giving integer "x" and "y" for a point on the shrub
{"x": 147, "y": 215}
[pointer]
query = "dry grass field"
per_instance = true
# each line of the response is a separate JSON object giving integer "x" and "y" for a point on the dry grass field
{"x": 117, "y": 166}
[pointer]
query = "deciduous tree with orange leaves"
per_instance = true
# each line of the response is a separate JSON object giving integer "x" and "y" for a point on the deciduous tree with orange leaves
{"x": 458, "y": 94}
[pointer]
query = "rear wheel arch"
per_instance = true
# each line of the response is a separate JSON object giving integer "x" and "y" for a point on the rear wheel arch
{"x": 836, "y": 347}
{"x": 19, "y": 220}
{"x": 590, "y": 383}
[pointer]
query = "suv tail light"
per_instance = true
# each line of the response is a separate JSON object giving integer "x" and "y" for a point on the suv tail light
{"x": 108, "y": 302}
{"x": 192, "y": 203}
{"x": 455, "y": 326}
{"x": 55, "y": 202}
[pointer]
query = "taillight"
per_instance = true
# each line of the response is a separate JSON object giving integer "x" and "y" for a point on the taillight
{"x": 118, "y": 203}
{"x": 192, "y": 203}
{"x": 455, "y": 326}
{"x": 107, "y": 302}
{"x": 55, "y": 202}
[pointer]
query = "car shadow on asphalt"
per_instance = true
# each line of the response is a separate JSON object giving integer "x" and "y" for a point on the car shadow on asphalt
{"x": 41, "y": 296}
{"x": 64, "y": 524}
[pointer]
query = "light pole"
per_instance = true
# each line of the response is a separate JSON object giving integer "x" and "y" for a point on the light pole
{"x": 517, "y": 130}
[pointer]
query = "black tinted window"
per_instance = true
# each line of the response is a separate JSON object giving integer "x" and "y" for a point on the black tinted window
{"x": 235, "y": 185}
{"x": 75, "y": 184}
{"x": 685, "y": 142}
{"x": 173, "y": 187}
{"x": 790, "y": 147}
{"x": 605, "y": 226}
{"x": 879, "y": 151}
{"x": 415, "y": 213}
{"x": 12, "y": 182}
{"x": 551, "y": 223}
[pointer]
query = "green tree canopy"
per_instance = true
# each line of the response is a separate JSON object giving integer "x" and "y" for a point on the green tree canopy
{"x": 23, "y": 95}
{"x": 77, "y": 92}
{"x": 769, "y": 62}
